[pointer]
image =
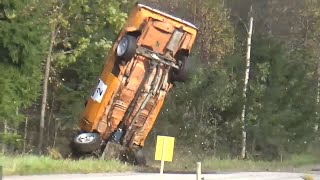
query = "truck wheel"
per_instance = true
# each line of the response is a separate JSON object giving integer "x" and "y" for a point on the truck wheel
{"x": 140, "y": 158}
{"x": 183, "y": 73}
{"x": 86, "y": 142}
{"x": 127, "y": 48}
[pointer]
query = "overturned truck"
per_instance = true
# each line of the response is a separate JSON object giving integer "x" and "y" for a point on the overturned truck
{"x": 149, "y": 55}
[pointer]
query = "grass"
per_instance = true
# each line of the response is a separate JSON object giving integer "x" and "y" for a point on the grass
{"x": 27, "y": 165}
{"x": 296, "y": 163}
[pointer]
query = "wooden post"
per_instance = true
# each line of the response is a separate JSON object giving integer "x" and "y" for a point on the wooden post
{"x": 198, "y": 170}
{"x": 162, "y": 157}
{"x": 243, "y": 114}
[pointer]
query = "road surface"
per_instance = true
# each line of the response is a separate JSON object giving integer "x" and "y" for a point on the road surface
{"x": 152, "y": 176}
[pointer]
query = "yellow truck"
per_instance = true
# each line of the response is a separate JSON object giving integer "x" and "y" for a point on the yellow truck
{"x": 149, "y": 55}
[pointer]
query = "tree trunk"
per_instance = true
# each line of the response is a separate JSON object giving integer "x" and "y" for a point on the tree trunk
{"x": 243, "y": 115}
{"x": 45, "y": 90}
{"x": 25, "y": 135}
{"x": 48, "y": 128}
{"x": 56, "y": 128}
{"x": 49, "y": 122}
{"x": 13, "y": 149}
{"x": 5, "y": 131}
{"x": 318, "y": 99}
{"x": 215, "y": 136}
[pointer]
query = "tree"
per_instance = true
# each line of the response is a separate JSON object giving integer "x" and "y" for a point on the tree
{"x": 310, "y": 14}
{"x": 21, "y": 48}
{"x": 246, "y": 79}
{"x": 86, "y": 31}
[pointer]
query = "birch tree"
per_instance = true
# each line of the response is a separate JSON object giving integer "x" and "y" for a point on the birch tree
{"x": 245, "y": 87}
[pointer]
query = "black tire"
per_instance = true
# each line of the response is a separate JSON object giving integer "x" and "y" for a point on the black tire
{"x": 86, "y": 147}
{"x": 183, "y": 73}
{"x": 129, "y": 50}
{"x": 140, "y": 158}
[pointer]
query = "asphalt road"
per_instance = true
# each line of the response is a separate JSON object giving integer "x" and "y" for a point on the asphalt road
{"x": 152, "y": 176}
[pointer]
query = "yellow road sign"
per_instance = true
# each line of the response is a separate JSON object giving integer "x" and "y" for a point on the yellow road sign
{"x": 164, "y": 148}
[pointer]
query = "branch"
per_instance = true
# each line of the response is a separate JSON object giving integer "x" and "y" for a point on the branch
{"x": 244, "y": 24}
{"x": 68, "y": 52}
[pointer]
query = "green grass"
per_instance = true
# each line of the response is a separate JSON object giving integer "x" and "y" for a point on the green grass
{"x": 26, "y": 165}
{"x": 299, "y": 163}
{"x": 296, "y": 162}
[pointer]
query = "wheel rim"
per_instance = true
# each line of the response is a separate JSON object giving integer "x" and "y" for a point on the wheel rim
{"x": 85, "y": 137}
{"x": 122, "y": 46}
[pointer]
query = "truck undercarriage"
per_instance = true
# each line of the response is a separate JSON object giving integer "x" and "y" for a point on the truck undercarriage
{"x": 140, "y": 71}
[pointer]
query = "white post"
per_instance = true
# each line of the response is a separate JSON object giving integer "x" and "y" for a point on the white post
{"x": 162, "y": 157}
{"x": 199, "y": 171}
{"x": 243, "y": 115}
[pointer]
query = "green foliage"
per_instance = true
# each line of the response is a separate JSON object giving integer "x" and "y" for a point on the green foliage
{"x": 11, "y": 139}
{"x": 281, "y": 100}
{"x": 205, "y": 110}
{"x": 85, "y": 25}
{"x": 22, "y": 41}
{"x": 281, "y": 97}
{"x": 81, "y": 51}
{"x": 281, "y": 104}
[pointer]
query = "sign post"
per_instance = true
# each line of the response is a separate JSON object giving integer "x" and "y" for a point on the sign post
{"x": 162, "y": 156}
{"x": 199, "y": 171}
{"x": 164, "y": 151}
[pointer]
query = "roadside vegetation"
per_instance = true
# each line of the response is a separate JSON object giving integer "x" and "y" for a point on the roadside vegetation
{"x": 296, "y": 163}
{"x": 29, "y": 164}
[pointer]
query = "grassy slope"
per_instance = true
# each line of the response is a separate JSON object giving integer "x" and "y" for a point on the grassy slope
{"x": 295, "y": 163}
{"x": 299, "y": 163}
{"x": 26, "y": 165}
